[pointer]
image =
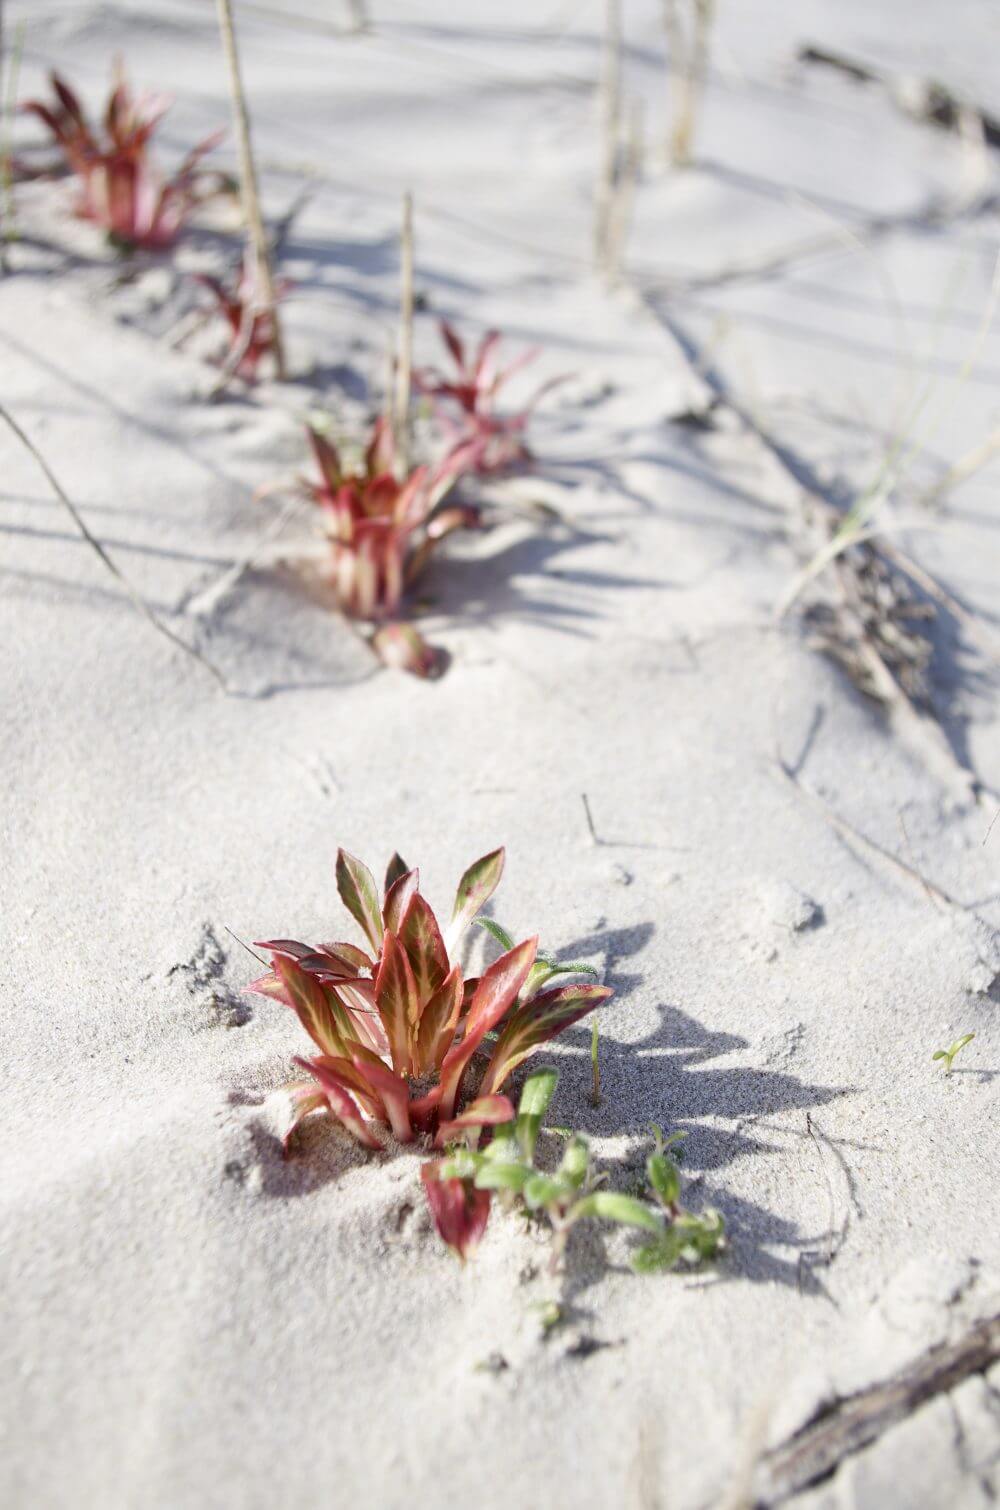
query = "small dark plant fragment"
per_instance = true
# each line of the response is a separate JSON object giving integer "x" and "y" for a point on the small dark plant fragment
{"x": 873, "y": 626}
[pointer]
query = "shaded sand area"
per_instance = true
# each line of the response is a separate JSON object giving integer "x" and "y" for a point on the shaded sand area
{"x": 692, "y": 797}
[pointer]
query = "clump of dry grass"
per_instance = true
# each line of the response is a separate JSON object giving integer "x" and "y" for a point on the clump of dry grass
{"x": 873, "y": 625}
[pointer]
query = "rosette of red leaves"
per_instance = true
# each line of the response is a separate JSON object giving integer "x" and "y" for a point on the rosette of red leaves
{"x": 485, "y": 440}
{"x": 382, "y": 529}
{"x": 121, "y": 190}
{"x": 251, "y": 322}
{"x": 405, "y": 1043}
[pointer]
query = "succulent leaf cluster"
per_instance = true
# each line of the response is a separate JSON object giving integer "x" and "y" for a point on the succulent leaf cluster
{"x": 120, "y": 188}
{"x": 406, "y": 1044}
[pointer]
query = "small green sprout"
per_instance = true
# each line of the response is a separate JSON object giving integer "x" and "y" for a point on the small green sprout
{"x": 550, "y": 1315}
{"x": 948, "y": 1054}
{"x": 572, "y": 1192}
{"x": 543, "y": 969}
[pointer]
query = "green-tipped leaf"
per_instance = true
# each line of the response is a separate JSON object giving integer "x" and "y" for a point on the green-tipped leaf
{"x": 341, "y": 1103}
{"x": 420, "y": 936}
{"x": 438, "y": 1021}
{"x": 493, "y": 928}
{"x": 396, "y": 1001}
{"x": 535, "y": 1022}
{"x": 312, "y": 1005}
{"x": 495, "y": 994}
{"x": 534, "y": 1103}
{"x": 398, "y": 898}
{"x": 460, "y": 1211}
{"x": 475, "y": 888}
{"x": 610, "y": 1206}
{"x": 359, "y": 895}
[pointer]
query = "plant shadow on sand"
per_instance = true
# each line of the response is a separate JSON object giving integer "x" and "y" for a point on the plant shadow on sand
{"x": 664, "y": 1077}
{"x": 519, "y": 580}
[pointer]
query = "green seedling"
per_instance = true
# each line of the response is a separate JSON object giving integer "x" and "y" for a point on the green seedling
{"x": 572, "y": 1192}
{"x": 948, "y": 1054}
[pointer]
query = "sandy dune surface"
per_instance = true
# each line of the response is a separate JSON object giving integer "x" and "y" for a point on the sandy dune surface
{"x": 191, "y": 1321}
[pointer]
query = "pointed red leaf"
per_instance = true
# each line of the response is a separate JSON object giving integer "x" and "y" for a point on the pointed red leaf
{"x": 475, "y": 888}
{"x": 359, "y": 895}
{"x": 312, "y": 1006}
{"x": 327, "y": 458}
{"x": 396, "y": 1000}
{"x": 495, "y": 994}
{"x": 392, "y": 1089}
{"x": 486, "y": 1111}
{"x": 397, "y": 899}
{"x": 438, "y": 1022}
{"x": 534, "y": 1023}
{"x": 460, "y": 1211}
{"x": 349, "y": 955}
{"x": 356, "y": 1081}
{"x": 454, "y": 343}
{"x": 341, "y": 1104}
{"x": 304, "y": 1096}
{"x": 421, "y": 937}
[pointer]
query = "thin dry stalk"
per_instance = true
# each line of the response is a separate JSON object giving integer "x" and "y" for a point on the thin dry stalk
{"x": 856, "y": 837}
{"x": 102, "y": 555}
{"x": 8, "y": 100}
{"x": 256, "y": 235}
{"x": 623, "y": 193}
{"x": 359, "y": 15}
{"x": 404, "y": 353}
{"x": 688, "y": 59}
{"x": 611, "y": 108}
{"x": 973, "y": 461}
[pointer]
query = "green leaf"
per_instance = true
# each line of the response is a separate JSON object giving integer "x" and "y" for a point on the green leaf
{"x": 461, "y": 1164}
{"x": 665, "y": 1178}
{"x": 540, "y": 1190}
{"x": 690, "y": 1239}
{"x": 493, "y": 1176}
{"x": 624, "y": 1209}
{"x": 493, "y": 928}
{"x": 475, "y": 888}
{"x": 359, "y": 895}
{"x": 939, "y": 1054}
{"x": 534, "y": 1103}
{"x": 502, "y": 1147}
{"x": 575, "y": 1162}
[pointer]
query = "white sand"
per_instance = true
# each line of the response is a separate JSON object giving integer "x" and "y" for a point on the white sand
{"x": 191, "y": 1322}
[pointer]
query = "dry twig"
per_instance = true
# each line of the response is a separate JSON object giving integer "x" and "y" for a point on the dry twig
{"x": 257, "y": 238}
{"x": 404, "y": 353}
{"x": 98, "y": 549}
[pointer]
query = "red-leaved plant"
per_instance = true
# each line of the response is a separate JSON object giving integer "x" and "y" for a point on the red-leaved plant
{"x": 382, "y": 531}
{"x": 251, "y": 324}
{"x": 404, "y": 1042}
{"x": 484, "y": 440}
{"x": 121, "y": 190}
